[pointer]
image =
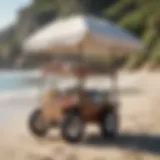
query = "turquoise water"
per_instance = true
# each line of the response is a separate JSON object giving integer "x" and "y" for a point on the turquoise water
{"x": 13, "y": 81}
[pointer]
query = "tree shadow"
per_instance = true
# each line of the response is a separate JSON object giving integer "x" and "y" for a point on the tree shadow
{"x": 143, "y": 143}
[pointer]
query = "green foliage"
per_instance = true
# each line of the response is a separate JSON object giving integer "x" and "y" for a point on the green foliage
{"x": 44, "y": 10}
{"x": 117, "y": 10}
{"x": 134, "y": 21}
{"x": 141, "y": 17}
{"x": 155, "y": 56}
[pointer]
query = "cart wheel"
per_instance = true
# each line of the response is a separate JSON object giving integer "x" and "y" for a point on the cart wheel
{"x": 36, "y": 125}
{"x": 72, "y": 127}
{"x": 109, "y": 125}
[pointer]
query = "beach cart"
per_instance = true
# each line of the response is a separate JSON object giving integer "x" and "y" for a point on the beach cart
{"x": 73, "y": 42}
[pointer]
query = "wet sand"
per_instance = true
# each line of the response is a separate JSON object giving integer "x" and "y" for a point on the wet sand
{"x": 139, "y": 131}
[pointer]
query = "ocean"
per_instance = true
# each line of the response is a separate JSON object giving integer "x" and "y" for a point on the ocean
{"x": 18, "y": 94}
{"x": 18, "y": 80}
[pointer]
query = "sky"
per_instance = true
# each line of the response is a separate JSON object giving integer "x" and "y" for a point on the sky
{"x": 9, "y": 10}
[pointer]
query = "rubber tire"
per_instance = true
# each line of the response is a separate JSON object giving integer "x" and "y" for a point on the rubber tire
{"x": 106, "y": 133}
{"x": 32, "y": 124}
{"x": 69, "y": 117}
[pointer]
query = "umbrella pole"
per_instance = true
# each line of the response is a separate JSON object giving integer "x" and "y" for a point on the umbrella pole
{"x": 80, "y": 74}
{"x": 115, "y": 89}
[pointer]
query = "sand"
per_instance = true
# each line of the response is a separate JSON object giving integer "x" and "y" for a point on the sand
{"x": 139, "y": 137}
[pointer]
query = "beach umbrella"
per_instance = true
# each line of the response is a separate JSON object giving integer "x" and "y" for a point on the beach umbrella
{"x": 85, "y": 35}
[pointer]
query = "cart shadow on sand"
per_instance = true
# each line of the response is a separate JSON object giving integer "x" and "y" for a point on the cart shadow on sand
{"x": 137, "y": 142}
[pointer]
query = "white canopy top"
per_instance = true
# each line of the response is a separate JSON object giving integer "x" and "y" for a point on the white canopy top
{"x": 82, "y": 34}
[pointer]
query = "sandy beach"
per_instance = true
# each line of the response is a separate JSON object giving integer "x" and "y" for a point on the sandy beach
{"x": 139, "y": 137}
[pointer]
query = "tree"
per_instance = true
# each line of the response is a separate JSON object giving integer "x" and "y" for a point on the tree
{"x": 142, "y": 18}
